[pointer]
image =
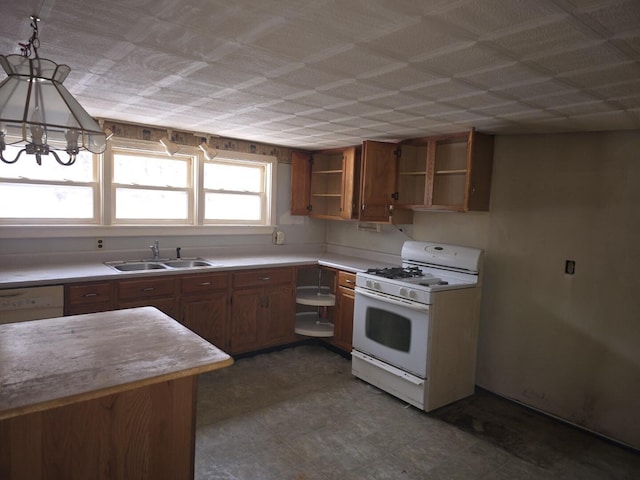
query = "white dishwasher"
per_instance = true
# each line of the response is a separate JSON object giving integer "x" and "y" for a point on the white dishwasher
{"x": 32, "y": 303}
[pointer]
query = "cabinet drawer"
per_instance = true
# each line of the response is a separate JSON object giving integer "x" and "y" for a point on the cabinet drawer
{"x": 260, "y": 278}
{"x": 146, "y": 287}
{"x": 204, "y": 283}
{"x": 346, "y": 279}
{"x": 89, "y": 293}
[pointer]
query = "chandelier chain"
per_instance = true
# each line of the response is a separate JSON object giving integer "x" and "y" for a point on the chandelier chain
{"x": 34, "y": 40}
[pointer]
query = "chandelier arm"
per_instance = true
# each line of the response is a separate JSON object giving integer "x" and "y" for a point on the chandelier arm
{"x": 11, "y": 161}
{"x": 71, "y": 161}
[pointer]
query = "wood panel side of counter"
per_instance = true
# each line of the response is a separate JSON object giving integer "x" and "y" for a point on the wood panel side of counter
{"x": 142, "y": 433}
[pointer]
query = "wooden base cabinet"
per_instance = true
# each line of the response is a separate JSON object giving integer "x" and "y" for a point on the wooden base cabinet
{"x": 159, "y": 292}
{"x": 343, "y": 319}
{"x": 204, "y": 302}
{"x": 262, "y": 309}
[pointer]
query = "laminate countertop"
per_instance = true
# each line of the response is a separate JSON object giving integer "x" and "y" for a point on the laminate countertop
{"x": 60, "y": 361}
{"x": 18, "y": 276}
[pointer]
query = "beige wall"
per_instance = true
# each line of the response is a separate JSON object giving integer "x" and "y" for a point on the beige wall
{"x": 567, "y": 345}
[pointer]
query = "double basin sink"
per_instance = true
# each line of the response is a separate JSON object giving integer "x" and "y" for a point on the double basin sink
{"x": 166, "y": 264}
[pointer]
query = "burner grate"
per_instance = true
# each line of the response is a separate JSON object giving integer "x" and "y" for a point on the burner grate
{"x": 396, "y": 272}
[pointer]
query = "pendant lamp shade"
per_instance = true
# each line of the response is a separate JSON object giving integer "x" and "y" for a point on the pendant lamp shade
{"x": 37, "y": 111}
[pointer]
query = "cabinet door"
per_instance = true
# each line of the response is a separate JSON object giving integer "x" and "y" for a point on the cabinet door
{"x": 343, "y": 323}
{"x": 278, "y": 322}
{"x": 246, "y": 306}
{"x": 300, "y": 183}
{"x": 350, "y": 192}
{"x": 206, "y": 315}
{"x": 378, "y": 181}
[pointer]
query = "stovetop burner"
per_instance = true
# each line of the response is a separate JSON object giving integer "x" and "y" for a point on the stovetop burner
{"x": 396, "y": 272}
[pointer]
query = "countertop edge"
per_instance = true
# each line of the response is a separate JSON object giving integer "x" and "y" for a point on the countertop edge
{"x": 56, "y": 274}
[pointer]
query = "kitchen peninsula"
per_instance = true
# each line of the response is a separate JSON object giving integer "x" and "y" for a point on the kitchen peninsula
{"x": 102, "y": 395}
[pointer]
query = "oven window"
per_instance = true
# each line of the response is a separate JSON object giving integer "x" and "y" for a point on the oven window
{"x": 388, "y": 329}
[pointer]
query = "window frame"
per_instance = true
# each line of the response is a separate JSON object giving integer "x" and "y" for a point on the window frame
{"x": 104, "y": 225}
{"x": 95, "y": 184}
{"x": 153, "y": 152}
{"x": 269, "y": 181}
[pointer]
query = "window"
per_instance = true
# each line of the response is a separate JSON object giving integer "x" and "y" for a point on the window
{"x": 48, "y": 193}
{"x": 235, "y": 190}
{"x": 148, "y": 187}
{"x": 135, "y": 183}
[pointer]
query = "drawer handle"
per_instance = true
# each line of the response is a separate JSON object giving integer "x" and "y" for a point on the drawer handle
{"x": 149, "y": 289}
{"x": 88, "y": 295}
{"x": 348, "y": 281}
{"x": 204, "y": 284}
{"x": 265, "y": 279}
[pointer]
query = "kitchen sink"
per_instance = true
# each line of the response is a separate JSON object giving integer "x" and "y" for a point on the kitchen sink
{"x": 162, "y": 264}
{"x": 136, "y": 266}
{"x": 187, "y": 263}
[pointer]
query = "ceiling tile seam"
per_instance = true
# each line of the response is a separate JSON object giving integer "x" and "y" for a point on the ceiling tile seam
{"x": 533, "y": 66}
{"x": 580, "y": 16}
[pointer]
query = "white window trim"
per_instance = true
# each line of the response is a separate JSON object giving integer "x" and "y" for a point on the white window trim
{"x": 106, "y": 229}
{"x": 271, "y": 178}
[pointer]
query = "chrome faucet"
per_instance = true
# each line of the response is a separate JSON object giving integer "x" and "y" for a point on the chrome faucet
{"x": 155, "y": 250}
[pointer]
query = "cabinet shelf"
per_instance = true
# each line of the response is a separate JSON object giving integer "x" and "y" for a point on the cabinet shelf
{"x": 326, "y": 194}
{"x": 311, "y": 325}
{"x": 327, "y": 172}
{"x": 316, "y": 297}
{"x": 421, "y": 173}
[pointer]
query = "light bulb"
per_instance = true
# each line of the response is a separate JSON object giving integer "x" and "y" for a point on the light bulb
{"x": 38, "y": 134}
{"x": 72, "y": 140}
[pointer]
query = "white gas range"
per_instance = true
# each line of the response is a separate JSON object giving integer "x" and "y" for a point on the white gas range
{"x": 415, "y": 326}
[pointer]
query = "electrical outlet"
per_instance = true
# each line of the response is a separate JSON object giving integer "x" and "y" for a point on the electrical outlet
{"x": 570, "y": 267}
{"x": 99, "y": 244}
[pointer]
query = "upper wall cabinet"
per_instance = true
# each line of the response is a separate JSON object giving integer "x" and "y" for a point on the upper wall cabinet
{"x": 324, "y": 184}
{"x": 446, "y": 172}
{"x": 378, "y": 181}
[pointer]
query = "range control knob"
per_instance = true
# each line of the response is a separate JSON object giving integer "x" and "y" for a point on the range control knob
{"x": 413, "y": 294}
{"x": 376, "y": 285}
{"x": 369, "y": 284}
{"x": 404, "y": 292}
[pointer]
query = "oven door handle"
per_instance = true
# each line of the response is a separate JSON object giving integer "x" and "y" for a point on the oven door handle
{"x": 393, "y": 300}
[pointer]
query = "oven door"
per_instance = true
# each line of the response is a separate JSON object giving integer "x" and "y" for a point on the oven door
{"x": 392, "y": 330}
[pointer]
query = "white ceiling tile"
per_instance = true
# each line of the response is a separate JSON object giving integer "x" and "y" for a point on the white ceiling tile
{"x": 599, "y": 75}
{"x": 486, "y": 16}
{"x": 416, "y": 40}
{"x": 402, "y": 78}
{"x": 504, "y": 77}
{"x": 537, "y": 89}
{"x": 449, "y": 89}
{"x": 280, "y": 69}
{"x": 616, "y": 17}
{"x": 583, "y": 58}
{"x": 561, "y": 34}
{"x": 565, "y": 98}
{"x": 619, "y": 90}
{"x": 354, "y": 62}
{"x": 470, "y": 58}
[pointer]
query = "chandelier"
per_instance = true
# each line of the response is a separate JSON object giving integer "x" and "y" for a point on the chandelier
{"x": 38, "y": 113}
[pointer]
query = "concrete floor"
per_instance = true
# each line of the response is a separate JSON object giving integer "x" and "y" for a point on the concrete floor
{"x": 300, "y": 414}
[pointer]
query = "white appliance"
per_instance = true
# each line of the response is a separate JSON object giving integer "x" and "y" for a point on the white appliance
{"x": 415, "y": 327}
{"x": 32, "y": 303}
